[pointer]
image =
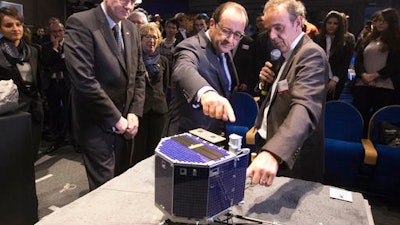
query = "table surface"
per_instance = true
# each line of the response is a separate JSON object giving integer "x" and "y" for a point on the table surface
{"x": 129, "y": 199}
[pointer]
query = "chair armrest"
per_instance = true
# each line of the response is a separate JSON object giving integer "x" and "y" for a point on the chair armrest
{"x": 371, "y": 155}
{"x": 251, "y": 136}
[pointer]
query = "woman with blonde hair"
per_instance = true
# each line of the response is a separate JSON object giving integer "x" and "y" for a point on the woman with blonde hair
{"x": 155, "y": 107}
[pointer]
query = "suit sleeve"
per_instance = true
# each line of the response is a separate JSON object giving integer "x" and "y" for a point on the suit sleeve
{"x": 307, "y": 97}
{"x": 186, "y": 74}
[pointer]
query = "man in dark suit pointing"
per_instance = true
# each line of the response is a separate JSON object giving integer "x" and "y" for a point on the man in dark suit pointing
{"x": 204, "y": 76}
{"x": 103, "y": 56}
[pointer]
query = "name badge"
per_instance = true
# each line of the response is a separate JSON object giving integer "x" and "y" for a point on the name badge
{"x": 283, "y": 86}
{"x": 245, "y": 47}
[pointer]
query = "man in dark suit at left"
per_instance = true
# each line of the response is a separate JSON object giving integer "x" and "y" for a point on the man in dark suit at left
{"x": 104, "y": 58}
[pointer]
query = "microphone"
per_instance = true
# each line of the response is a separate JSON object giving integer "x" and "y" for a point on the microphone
{"x": 274, "y": 57}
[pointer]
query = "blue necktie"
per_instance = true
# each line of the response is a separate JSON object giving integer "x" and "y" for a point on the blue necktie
{"x": 226, "y": 76}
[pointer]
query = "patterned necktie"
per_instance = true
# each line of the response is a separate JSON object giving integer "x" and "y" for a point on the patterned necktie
{"x": 116, "y": 36}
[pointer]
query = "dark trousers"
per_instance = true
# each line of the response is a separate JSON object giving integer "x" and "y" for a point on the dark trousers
{"x": 369, "y": 99}
{"x": 57, "y": 101}
{"x": 105, "y": 155}
{"x": 151, "y": 127}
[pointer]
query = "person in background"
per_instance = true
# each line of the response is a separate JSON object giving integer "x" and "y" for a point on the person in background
{"x": 155, "y": 110}
{"x": 103, "y": 55}
{"x": 363, "y": 33}
{"x": 291, "y": 118}
{"x": 20, "y": 62}
{"x": 138, "y": 18}
{"x": 200, "y": 22}
{"x": 204, "y": 76}
{"x": 242, "y": 57}
{"x": 182, "y": 28}
{"x": 310, "y": 29}
{"x": 167, "y": 45}
{"x": 39, "y": 36}
{"x": 259, "y": 25}
{"x": 338, "y": 49}
{"x": 56, "y": 87}
{"x": 377, "y": 65}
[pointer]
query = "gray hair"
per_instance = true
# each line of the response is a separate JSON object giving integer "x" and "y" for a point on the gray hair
{"x": 295, "y": 8}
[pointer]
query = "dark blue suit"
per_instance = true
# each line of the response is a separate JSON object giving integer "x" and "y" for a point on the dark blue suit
{"x": 196, "y": 66}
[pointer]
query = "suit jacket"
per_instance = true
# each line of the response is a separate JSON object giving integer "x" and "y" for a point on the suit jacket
{"x": 10, "y": 71}
{"x": 104, "y": 84}
{"x": 52, "y": 62}
{"x": 242, "y": 60}
{"x": 339, "y": 59}
{"x": 295, "y": 121}
{"x": 196, "y": 65}
{"x": 156, "y": 89}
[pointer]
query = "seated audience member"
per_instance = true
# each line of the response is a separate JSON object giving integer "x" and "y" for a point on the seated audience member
{"x": 155, "y": 110}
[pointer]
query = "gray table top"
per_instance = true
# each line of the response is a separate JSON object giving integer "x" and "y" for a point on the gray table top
{"x": 129, "y": 199}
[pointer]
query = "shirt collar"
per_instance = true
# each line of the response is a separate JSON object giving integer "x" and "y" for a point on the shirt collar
{"x": 293, "y": 45}
{"x": 111, "y": 22}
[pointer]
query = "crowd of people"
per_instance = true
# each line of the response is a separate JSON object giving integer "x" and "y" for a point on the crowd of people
{"x": 113, "y": 80}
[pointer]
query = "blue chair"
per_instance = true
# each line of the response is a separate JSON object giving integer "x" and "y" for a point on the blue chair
{"x": 246, "y": 110}
{"x": 344, "y": 152}
{"x": 385, "y": 178}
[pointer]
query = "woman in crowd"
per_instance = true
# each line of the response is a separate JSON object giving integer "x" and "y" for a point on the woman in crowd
{"x": 155, "y": 107}
{"x": 339, "y": 50}
{"x": 377, "y": 65}
{"x": 19, "y": 62}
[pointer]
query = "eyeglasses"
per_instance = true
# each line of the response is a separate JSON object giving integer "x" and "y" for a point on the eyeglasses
{"x": 228, "y": 32}
{"x": 132, "y": 2}
{"x": 149, "y": 36}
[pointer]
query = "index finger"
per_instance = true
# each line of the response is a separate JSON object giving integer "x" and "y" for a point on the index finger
{"x": 228, "y": 111}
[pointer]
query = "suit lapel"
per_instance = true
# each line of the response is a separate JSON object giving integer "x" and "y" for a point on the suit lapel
{"x": 109, "y": 36}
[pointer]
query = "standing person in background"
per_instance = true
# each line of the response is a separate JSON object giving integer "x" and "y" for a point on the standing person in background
{"x": 138, "y": 18}
{"x": 182, "y": 28}
{"x": 200, "y": 23}
{"x": 38, "y": 36}
{"x": 104, "y": 57}
{"x": 56, "y": 86}
{"x": 377, "y": 65}
{"x": 259, "y": 25}
{"x": 339, "y": 51}
{"x": 204, "y": 76}
{"x": 20, "y": 62}
{"x": 155, "y": 110}
{"x": 242, "y": 57}
{"x": 291, "y": 118}
{"x": 167, "y": 45}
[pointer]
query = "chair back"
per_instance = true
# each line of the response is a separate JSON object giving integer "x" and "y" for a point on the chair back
{"x": 343, "y": 121}
{"x": 245, "y": 108}
{"x": 389, "y": 114}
